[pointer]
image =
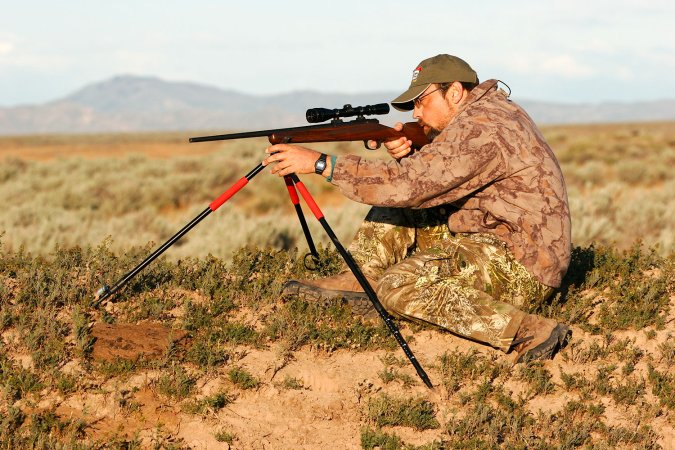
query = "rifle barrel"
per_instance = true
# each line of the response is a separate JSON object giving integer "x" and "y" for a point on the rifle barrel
{"x": 268, "y": 133}
{"x": 224, "y": 137}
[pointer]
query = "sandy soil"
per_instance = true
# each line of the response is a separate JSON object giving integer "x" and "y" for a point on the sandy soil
{"x": 327, "y": 412}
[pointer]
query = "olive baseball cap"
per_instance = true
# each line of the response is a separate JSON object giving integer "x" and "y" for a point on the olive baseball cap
{"x": 438, "y": 69}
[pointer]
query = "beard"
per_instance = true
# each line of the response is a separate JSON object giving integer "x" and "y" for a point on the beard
{"x": 429, "y": 130}
{"x": 433, "y": 133}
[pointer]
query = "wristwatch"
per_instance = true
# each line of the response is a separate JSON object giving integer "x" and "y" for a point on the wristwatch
{"x": 320, "y": 164}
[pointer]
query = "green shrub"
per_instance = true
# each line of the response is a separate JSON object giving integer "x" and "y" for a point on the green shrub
{"x": 538, "y": 377}
{"x": 176, "y": 382}
{"x": 663, "y": 386}
{"x": 242, "y": 378}
{"x": 377, "y": 439}
{"x": 416, "y": 413}
{"x": 211, "y": 403}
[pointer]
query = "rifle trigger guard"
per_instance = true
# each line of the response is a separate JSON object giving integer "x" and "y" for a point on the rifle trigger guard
{"x": 311, "y": 262}
{"x": 365, "y": 144}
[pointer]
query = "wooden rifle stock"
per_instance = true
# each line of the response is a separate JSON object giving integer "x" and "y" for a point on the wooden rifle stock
{"x": 351, "y": 131}
{"x": 355, "y": 130}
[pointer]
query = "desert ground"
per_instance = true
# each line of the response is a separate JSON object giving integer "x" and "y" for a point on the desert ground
{"x": 199, "y": 351}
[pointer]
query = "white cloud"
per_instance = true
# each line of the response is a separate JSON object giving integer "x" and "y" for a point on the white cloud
{"x": 536, "y": 64}
{"x": 625, "y": 73}
{"x": 8, "y": 43}
{"x": 18, "y": 51}
{"x": 565, "y": 65}
{"x": 6, "y": 48}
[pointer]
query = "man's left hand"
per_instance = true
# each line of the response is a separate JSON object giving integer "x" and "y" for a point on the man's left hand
{"x": 398, "y": 148}
{"x": 291, "y": 159}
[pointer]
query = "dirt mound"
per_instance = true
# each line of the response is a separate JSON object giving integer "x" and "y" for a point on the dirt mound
{"x": 133, "y": 341}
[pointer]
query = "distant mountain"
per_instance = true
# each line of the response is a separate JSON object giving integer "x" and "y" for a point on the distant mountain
{"x": 133, "y": 103}
{"x": 561, "y": 113}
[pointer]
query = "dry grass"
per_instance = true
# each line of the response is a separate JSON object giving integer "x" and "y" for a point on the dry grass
{"x": 136, "y": 198}
{"x": 138, "y": 188}
{"x": 620, "y": 182}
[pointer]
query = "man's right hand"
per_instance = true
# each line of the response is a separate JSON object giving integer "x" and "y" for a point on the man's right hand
{"x": 397, "y": 148}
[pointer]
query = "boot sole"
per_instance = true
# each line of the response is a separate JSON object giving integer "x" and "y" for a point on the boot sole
{"x": 558, "y": 339}
{"x": 359, "y": 302}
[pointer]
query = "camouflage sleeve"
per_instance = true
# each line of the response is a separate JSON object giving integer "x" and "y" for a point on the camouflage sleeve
{"x": 446, "y": 170}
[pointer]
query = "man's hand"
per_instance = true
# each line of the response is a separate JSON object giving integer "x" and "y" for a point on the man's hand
{"x": 397, "y": 148}
{"x": 291, "y": 159}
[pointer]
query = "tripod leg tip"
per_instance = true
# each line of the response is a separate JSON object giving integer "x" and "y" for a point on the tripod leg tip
{"x": 101, "y": 294}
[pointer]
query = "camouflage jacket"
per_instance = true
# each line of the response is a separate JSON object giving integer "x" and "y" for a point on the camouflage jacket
{"x": 493, "y": 166}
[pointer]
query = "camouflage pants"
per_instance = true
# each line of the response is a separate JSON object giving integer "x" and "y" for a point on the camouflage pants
{"x": 469, "y": 284}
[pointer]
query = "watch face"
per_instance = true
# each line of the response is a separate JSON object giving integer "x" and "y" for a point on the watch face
{"x": 320, "y": 164}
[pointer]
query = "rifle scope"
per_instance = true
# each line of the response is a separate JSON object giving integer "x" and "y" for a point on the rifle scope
{"x": 316, "y": 115}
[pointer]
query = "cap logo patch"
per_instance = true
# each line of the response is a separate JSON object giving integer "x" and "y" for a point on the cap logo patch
{"x": 416, "y": 72}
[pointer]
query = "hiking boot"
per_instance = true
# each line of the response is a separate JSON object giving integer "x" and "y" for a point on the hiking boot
{"x": 539, "y": 338}
{"x": 342, "y": 288}
{"x": 345, "y": 281}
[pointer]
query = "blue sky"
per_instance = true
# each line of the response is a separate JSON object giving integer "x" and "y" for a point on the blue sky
{"x": 570, "y": 51}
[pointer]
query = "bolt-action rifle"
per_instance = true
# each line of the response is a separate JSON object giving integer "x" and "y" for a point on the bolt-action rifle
{"x": 359, "y": 129}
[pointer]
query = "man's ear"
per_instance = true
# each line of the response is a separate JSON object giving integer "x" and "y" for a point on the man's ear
{"x": 455, "y": 92}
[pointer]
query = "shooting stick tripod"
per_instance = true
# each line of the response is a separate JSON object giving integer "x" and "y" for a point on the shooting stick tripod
{"x": 292, "y": 182}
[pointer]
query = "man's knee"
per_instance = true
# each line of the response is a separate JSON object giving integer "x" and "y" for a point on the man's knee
{"x": 387, "y": 296}
{"x": 396, "y": 289}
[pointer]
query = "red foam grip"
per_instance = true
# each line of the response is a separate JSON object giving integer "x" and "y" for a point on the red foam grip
{"x": 309, "y": 200}
{"x": 291, "y": 190}
{"x": 228, "y": 194}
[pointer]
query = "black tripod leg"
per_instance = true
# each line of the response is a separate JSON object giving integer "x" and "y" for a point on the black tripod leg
{"x": 362, "y": 280}
{"x": 303, "y": 223}
{"x": 106, "y": 291}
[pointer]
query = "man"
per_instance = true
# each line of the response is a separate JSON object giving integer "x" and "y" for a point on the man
{"x": 466, "y": 233}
